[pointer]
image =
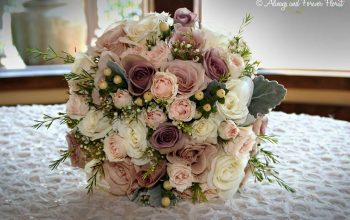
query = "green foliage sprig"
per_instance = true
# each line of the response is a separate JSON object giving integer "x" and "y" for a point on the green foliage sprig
{"x": 48, "y": 121}
{"x": 197, "y": 193}
{"x": 246, "y": 21}
{"x": 64, "y": 155}
{"x": 50, "y": 54}
{"x": 261, "y": 166}
{"x": 97, "y": 171}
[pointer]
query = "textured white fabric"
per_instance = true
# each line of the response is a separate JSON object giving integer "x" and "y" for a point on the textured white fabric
{"x": 314, "y": 154}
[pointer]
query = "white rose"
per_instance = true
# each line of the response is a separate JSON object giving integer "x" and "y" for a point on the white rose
{"x": 237, "y": 100}
{"x": 205, "y": 130}
{"x": 122, "y": 98}
{"x": 76, "y": 107}
{"x": 226, "y": 174}
{"x": 139, "y": 31}
{"x": 134, "y": 133}
{"x": 180, "y": 176}
{"x": 82, "y": 62}
{"x": 94, "y": 125}
{"x": 114, "y": 147}
{"x": 228, "y": 130}
{"x": 215, "y": 40}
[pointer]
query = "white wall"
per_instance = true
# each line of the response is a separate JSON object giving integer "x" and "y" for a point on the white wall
{"x": 298, "y": 37}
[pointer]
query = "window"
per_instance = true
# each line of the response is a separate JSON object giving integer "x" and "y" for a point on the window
{"x": 297, "y": 37}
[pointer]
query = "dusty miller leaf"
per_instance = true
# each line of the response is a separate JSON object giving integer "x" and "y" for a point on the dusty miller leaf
{"x": 266, "y": 96}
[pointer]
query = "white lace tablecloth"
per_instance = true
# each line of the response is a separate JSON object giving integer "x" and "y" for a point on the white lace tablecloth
{"x": 314, "y": 154}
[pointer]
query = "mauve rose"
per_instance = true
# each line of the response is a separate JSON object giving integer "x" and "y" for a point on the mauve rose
{"x": 210, "y": 193}
{"x": 196, "y": 155}
{"x": 215, "y": 67}
{"x": 159, "y": 54}
{"x": 185, "y": 17}
{"x": 154, "y": 177}
{"x": 190, "y": 76}
{"x": 188, "y": 35}
{"x": 77, "y": 156}
{"x": 120, "y": 176}
{"x": 140, "y": 73}
{"x": 167, "y": 138}
{"x": 110, "y": 40}
{"x": 154, "y": 118}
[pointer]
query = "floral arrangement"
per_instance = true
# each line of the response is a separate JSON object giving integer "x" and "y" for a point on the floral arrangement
{"x": 162, "y": 110}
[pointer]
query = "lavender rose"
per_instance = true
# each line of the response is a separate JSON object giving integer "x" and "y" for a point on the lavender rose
{"x": 188, "y": 35}
{"x": 154, "y": 177}
{"x": 185, "y": 17}
{"x": 120, "y": 176}
{"x": 196, "y": 155}
{"x": 140, "y": 73}
{"x": 215, "y": 67}
{"x": 190, "y": 76}
{"x": 77, "y": 157}
{"x": 167, "y": 138}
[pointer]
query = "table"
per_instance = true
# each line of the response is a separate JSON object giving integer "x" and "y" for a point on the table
{"x": 314, "y": 153}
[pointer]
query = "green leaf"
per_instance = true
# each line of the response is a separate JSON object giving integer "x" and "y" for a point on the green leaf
{"x": 150, "y": 197}
{"x": 266, "y": 96}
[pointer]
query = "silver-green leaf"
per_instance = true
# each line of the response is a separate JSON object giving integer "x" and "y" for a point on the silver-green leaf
{"x": 266, "y": 96}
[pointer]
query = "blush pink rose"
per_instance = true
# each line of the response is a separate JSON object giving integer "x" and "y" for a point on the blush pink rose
{"x": 242, "y": 144}
{"x": 110, "y": 40}
{"x": 180, "y": 176}
{"x": 114, "y": 147}
{"x": 120, "y": 176}
{"x": 140, "y": 51}
{"x": 190, "y": 76}
{"x": 228, "y": 130}
{"x": 159, "y": 54}
{"x": 164, "y": 86}
{"x": 77, "y": 106}
{"x": 196, "y": 155}
{"x": 77, "y": 157}
{"x": 122, "y": 98}
{"x": 260, "y": 125}
{"x": 154, "y": 118}
{"x": 188, "y": 35}
{"x": 182, "y": 109}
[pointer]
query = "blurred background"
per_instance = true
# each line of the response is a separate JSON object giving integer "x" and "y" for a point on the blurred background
{"x": 304, "y": 46}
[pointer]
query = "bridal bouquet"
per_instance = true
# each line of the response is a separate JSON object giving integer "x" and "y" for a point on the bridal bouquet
{"x": 162, "y": 110}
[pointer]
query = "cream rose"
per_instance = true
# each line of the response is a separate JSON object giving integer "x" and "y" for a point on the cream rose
{"x": 82, "y": 62}
{"x": 94, "y": 125}
{"x": 237, "y": 100}
{"x": 180, "y": 176}
{"x": 182, "y": 109}
{"x": 164, "y": 86}
{"x": 226, "y": 174}
{"x": 242, "y": 144}
{"x": 76, "y": 107}
{"x": 134, "y": 133}
{"x": 146, "y": 27}
{"x": 215, "y": 40}
{"x": 122, "y": 98}
{"x": 205, "y": 130}
{"x": 154, "y": 117}
{"x": 228, "y": 130}
{"x": 114, "y": 147}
